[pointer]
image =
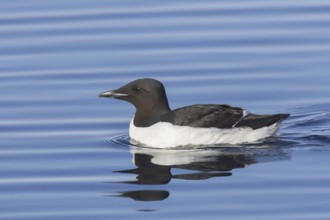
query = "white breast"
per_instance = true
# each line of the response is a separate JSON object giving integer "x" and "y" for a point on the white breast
{"x": 167, "y": 135}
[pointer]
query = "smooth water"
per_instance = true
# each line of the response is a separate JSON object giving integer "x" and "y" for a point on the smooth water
{"x": 65, "y": 153}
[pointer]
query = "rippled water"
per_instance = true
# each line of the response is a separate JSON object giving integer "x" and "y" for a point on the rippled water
{"x": 65, "y": 154}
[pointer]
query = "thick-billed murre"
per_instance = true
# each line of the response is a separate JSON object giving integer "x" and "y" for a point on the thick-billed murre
{"x": 156, "y": 125}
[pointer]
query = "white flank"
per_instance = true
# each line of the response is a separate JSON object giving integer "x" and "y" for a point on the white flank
{"x": 167, "y": 135}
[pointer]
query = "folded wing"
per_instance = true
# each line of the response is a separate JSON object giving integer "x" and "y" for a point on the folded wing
{"x": 220, "y": 116}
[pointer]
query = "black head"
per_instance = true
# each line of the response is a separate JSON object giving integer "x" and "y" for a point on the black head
{"x": 145, "y": 94}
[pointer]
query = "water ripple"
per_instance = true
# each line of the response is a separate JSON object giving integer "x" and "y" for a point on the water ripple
{"x": 119, "y": 141}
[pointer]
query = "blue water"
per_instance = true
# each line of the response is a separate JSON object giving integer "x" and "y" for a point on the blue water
{"x": 65, "y": 153}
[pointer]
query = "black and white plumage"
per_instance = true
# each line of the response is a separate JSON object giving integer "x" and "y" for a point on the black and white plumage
{"x": 156, "y": 125}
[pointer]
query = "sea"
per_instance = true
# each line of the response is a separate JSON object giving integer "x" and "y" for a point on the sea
{"x": 65, "y": 153}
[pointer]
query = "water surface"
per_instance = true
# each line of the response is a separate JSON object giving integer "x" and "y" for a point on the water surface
{"x": 65, "y": 154}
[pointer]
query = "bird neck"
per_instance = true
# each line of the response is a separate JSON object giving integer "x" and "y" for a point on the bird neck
{"x": 145, "y": 117}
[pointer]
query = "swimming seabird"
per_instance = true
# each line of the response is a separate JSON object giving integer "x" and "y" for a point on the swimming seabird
{"x": 156, "y": 125}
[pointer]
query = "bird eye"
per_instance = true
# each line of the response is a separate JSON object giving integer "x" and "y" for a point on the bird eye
{"x": 137, "y": 89}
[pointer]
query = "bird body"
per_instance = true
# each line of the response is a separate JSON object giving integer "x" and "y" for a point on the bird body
{"x": 167, "y": 135}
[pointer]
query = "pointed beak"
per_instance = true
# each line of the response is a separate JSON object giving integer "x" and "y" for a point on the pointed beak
{"x": 112, "y": 94}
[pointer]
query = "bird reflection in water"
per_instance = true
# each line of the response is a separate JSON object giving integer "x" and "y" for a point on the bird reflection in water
{"x": 154, "y": 166}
